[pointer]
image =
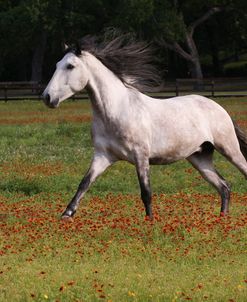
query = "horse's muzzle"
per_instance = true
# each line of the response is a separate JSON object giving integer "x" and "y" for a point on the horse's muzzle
{"x": 49, "y": 102}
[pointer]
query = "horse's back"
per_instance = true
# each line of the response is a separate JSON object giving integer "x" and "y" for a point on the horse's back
{"x": 189, "y": 103}
{"x": 202, "y": 111}
{"x": 180, "y": 125}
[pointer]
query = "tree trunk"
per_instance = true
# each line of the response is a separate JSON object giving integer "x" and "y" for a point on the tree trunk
{"x": 194, "y": 59}
{"x": 191, "y": 54}
{"x": 195, "y": 69}
{"x": 38, "y": 58}
{"x": 196, "y": 73}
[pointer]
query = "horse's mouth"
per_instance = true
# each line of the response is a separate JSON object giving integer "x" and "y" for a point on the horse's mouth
{"x": 54, "y": 104}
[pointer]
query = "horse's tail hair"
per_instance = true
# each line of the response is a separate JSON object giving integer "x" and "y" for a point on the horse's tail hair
{"x": 242, "y": 139}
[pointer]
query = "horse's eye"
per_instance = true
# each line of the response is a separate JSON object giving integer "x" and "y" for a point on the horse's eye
{"x": 70, "y": 66}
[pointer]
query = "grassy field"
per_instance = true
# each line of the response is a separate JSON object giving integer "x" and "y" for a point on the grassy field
{"x": 109, "y": 252}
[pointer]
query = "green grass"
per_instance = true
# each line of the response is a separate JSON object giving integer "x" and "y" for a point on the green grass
{"x": 109, "y": 252}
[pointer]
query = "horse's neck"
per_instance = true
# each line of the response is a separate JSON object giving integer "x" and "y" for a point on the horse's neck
{"x": 106, "y": 91}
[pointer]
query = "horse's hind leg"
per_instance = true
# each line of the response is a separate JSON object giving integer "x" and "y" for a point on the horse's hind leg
{"x": 142, "y": 168}
{"x": 233, "y": 146}
{"x": 235, "y": 156}
{"x": 203, "y": 162}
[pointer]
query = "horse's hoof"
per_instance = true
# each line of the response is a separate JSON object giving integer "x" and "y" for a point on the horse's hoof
{"x": 223, "y": 214}
{"x": 68, "y": 213}
{"x": 149, "y": 218}
{"x": 66, "y": 218}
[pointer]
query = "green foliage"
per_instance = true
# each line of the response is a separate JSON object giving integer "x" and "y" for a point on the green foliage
{"x": 135, "y": 14}
{"x": 236, "y": 69}
{"x": 10, "y": 23}
{"x": 22, "y": 23}
{"x": 170, "y": 23}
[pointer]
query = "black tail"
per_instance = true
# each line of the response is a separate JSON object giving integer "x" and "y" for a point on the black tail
{"x": 242, "y": 138}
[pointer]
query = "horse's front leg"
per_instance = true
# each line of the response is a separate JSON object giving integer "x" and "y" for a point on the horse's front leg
{"x": 142, "y": 168}
{"x": 98, "y": 166}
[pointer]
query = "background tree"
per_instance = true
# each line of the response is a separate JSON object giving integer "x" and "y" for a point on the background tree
{"x": 34, "y": 30}
{"x": 198, "y": 36}
{"x": 180, "y": 21}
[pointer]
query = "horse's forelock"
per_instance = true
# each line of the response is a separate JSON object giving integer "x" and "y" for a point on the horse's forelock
{"x": 74, "y": 48}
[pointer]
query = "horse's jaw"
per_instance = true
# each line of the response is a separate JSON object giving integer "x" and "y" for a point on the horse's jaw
{"x": 53, "y": 100}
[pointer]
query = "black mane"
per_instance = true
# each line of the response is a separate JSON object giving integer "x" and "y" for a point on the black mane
{"x": 130, "y": 60}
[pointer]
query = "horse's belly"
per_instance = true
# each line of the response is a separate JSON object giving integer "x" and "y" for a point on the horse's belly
{"x": 168, "y": 158}
{"x": 161, "y": 160}
{"x": 166, "y": 150}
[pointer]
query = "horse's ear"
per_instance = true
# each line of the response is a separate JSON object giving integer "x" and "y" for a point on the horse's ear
{"x": 64, "y": 46}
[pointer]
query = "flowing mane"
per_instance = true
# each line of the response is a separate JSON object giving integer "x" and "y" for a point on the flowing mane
{"x": 130, "y": 60}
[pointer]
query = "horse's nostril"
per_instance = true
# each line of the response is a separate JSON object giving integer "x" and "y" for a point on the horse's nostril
{"x": 47, "y": 98}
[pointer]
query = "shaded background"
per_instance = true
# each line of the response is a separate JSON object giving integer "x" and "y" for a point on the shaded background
{"x": 195, "y": 38}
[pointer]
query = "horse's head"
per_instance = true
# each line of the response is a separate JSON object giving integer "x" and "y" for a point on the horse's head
{"x": 71, "y": 76}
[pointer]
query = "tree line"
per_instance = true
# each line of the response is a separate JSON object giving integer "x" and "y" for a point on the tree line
{"x": 194, "y": 38}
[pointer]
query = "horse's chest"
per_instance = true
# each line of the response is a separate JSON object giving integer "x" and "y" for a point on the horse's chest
{"x": 116, "y": 141}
